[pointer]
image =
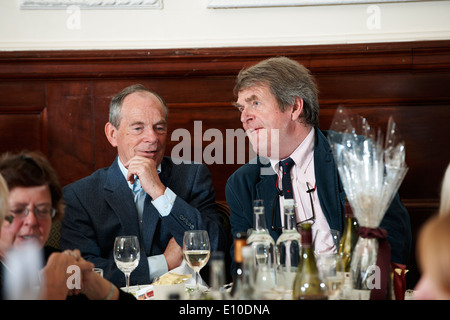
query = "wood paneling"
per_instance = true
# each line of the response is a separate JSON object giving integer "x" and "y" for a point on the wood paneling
{"x": 57, "y": 102}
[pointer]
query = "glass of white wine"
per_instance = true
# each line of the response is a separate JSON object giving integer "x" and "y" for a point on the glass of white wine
{"x": 196, "y": 251}
{"x": 126, "y": 255}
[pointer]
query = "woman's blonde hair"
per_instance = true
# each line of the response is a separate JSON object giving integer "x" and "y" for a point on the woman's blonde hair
{"x": 444, "y": 207}
{"x": 433, "y": 250}
{"x": 4, "y": 199}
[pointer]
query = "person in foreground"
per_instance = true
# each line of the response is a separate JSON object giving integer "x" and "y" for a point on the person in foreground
{"x": 110, "y": 202}
{"x": 433, "y": 251}
{"x": 278, "y": 96}
{"x": 33, "y": 199}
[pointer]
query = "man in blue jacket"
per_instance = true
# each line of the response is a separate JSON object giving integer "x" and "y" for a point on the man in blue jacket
{"x": 279, "y": 109}
{"x": 142, "y": 193}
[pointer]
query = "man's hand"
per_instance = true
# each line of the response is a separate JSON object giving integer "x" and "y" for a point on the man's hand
{"x": 145, "y": 169}
{"x": 173, "y": 254}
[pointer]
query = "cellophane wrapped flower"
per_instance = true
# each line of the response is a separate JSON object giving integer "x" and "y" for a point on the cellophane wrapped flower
{"x": 371, "y": 169}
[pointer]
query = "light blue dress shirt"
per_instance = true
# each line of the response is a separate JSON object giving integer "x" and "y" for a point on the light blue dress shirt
{"x": 157, "y": 264}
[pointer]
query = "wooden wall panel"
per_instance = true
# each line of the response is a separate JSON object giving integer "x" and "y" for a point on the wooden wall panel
{"x": 20, "y": 131}
{"x": 57, "y": 102}
{"x": 71, "y": 122}
{"x": 23, "y": 116}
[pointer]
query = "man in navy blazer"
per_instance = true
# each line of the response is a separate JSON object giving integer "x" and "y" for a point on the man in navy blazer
{"x": 280, "y": 94}
{"x": 174, "y": 197}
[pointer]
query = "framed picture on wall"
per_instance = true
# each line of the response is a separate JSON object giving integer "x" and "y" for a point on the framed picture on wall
{"x": 220, "y": 4}
{"x": 91, "y": 4}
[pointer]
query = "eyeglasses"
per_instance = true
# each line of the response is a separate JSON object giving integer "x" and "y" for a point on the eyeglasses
{"x": 311, "y": 220}
{"x": 41, "y": 213}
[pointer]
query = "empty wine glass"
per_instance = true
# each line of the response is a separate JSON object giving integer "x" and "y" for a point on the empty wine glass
{"x": 196, "y": 251}
{"x": 330, "y": 269}
{"x": 126, "y": 255}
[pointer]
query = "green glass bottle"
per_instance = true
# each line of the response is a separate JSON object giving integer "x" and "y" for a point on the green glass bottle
{"x": 307, "y": 284}
{"x": 345, "y": 250}
{"x": 348, "y": 240}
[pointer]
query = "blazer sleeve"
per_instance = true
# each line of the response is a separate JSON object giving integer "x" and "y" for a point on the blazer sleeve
{"x": 195, "y": 207}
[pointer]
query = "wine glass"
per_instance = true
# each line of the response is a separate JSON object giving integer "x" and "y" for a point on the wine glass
{"x": 126, "y": 255}
{"x": 196, "y": 251}
{"x": 331, "y": 271}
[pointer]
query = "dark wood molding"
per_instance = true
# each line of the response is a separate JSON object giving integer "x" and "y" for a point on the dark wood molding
{"x": 70, "y": 64}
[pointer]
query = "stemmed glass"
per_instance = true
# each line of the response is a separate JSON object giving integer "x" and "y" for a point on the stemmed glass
{"x": 196, "y": 251}
{"x": 331, "y": 270}
{"x": 126, "y": 255}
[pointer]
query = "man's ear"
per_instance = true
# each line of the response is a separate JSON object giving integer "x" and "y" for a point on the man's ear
{"x": 297, "y": 109}
{"x": 111, "y": 133}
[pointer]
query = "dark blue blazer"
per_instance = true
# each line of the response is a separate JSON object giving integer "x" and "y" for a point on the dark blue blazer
{"x": 248, "y": 184}
{"x": 101, "y": 207}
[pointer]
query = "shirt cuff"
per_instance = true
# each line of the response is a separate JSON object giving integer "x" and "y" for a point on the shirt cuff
{"x": 165, "y": 202}
{"x": 157, "y": 265}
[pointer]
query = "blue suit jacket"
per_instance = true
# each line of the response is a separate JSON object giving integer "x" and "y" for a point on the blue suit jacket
{"x": 101, "y": 207}
{"x": 247, "y": 184}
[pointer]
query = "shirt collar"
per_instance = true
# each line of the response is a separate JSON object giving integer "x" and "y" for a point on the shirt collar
{"x": 301, "y": 154}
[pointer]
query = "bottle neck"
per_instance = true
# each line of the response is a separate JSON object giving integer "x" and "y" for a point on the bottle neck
{"x": 259, "y": 219}
{"x": 289, "y": 215}
{"x": 306, "y": 239}
{"x": 289, "y": 221}
{"x": 307, "y": 251}
{"x": 238, "y": 245}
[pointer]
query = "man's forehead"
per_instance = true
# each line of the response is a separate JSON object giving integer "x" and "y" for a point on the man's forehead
{"x": 253, "y": 93}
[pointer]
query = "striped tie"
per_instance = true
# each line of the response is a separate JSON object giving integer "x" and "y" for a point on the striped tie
{"x": 139, "y": 197}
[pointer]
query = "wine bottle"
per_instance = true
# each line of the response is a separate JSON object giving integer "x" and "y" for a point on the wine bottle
{"x": 288, "y": 248}
{"x": 264, "y": 250}
{"x": 240, "y": 241}
{"x": 348, "y": 240}
{"x": 345, "y": 250}
{"x": 307, "y": 284}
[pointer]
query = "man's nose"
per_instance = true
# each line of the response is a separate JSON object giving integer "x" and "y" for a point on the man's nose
{"x": 150, "y": 135}
{"x": 246, "y": 115}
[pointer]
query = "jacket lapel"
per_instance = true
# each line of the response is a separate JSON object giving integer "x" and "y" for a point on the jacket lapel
{"x": 266, "y": 190}
{"x": 118, "y": 196}
{"x": 328, "y": 184}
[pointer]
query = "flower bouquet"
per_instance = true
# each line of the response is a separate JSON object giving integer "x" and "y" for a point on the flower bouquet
{"x": 371, "y": 169}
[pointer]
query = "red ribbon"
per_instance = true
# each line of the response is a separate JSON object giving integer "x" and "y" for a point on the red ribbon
{"x": 383, "y": 259}
{"x": 399, "y": 280}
